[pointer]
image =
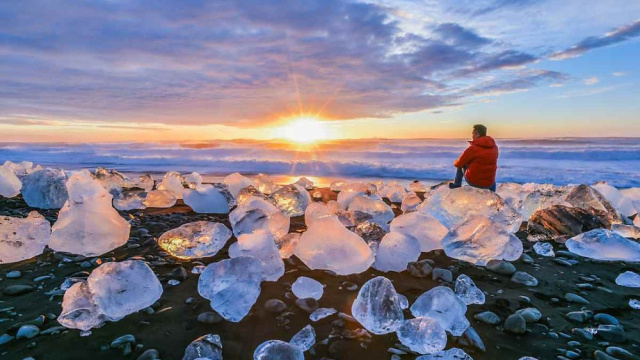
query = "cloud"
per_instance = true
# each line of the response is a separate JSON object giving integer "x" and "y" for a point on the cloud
{"x": 618, "y": 35}
{"x": 523, "y": 81}
{"x": 620, "y": 73}
{"x": 591, "y": 80}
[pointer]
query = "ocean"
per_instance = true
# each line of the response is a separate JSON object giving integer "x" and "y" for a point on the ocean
{"x": 558, "y": 161}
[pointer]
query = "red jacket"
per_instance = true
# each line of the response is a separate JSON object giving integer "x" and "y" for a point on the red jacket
{"x": 481, "y": 160}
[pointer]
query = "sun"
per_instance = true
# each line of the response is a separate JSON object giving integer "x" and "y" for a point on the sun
{"x": 304, "y": 130}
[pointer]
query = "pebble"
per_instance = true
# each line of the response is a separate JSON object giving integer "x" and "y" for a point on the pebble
{"x": 585, "y": 334}
{"x": 606, "y": 319}
{"x": 487, "y": 317}
{"x": 5, "y": 338}
{"x": 620, "y": 352}
{"x": 515, "y": 324}
{"x": 27, "y": 332}
{"x": 571, "y": 297}
{"x": 149, "y": 354}
{"x": 526, "y": 259}
{"x": 530, "y": 314}
{"x": 420, "y": 268}
{"x": 14, "y": 290}
{"x": 579, "y": 316}
{"x": 53, "y": 330}
{"x": 574, "y": 343}
{"x": 599, "y": 355}
{"x": 614, "y": 333}
{"x": 443, "y": 274}
{"x": 571, "y": 354}
{"x": 13, "y": 274}
{"x": 524, "y": 278}
{"x": 501, "y": 267}
{"x": 85, "y": 265}
{"x": 209, "y": 317}
{"x": 309, "y": 305}
{"x": 562, "y": 262}
{"x": 123, "y": 340}
{"x": 275, "y": 306}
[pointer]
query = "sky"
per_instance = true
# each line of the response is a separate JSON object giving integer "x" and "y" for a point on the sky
{"x": 128, "y": 70}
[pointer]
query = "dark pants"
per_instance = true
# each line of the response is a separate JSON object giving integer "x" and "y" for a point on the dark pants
{"x": 460, "y": 174}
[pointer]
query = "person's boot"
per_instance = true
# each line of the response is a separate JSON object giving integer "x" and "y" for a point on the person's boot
{"x": 454, "y": 186}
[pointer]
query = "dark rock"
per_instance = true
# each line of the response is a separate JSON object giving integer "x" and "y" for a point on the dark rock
{"x": 420, "y": 268}
{"x": 515, "y": 324}
{"x": 583, "y": 333}
{"x": 27, "y": 332}
{"x": 150, "y": 354}
{"x": 123, "y": 340}
{"x": 559, "y": 223}
{"x": 586, "y": 197}
{"x": 487, "y": 317}
{"x": 275, "y": 306}
{"x": 606, "y": 319}
{"x": 501, "y": 267}
{"x": 15, "y": 290}
{"x": 524, "y": 278}
{"x": 443, "y": 274}
{"x": 579, "y": 316}
{"x": 575, "y": 298}
{"x": 309, "y": 305}
{"x": 621, "y": 353}
{"x": 613, "y": 333}
{"x": 13, "y": 274}
{"x": 530, "y": 314}
{"x": 599, "y": 355}
{"x": 209, "y": 317}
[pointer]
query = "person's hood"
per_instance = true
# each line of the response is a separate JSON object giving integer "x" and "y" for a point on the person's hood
{"x": 484, "y": 142}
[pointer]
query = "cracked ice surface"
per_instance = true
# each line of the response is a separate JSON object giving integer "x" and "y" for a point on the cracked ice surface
{"x": 443, "y": 305}
{"x": 237, "y": 182}
{"x": 422, "y": 335}
{"x": 195, "y": 240}
{"x": 45, "y": 188}
{"x": 479, "y": 240}
{"x": 305, "y": 338}
{"x": 112, "y": 291}
{"x": 277, "y": 350}
{"x": 328, "y": 245}
{"x": 378, "y": 307}
{"x": 628, "y": 279}
{"x": 260, "y": 245}
{"x": 467, "y": 290}
{"x": 159, "y": 199}
{"x": 305, "y": 287}
{"x": 172, "y": 181}
{"x": 425, "y": 228}
{"x": 207, "y": 347}
{"x": 10, "y": 185}
{"x": 23, "y": 238}
{"x": 88, "y": 224}
{"x": 396, "y": 251}
{"x": 453, "y": 206}
{"x": 603, "y": 244}
{"x": 232, "y": 286}
{"x": 255, "y": 213}
{"x": 209, "y": 199}
{"x": 292, "y": 199}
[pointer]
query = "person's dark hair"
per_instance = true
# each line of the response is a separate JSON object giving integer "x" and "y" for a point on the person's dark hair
{"x": 480, "y": 129}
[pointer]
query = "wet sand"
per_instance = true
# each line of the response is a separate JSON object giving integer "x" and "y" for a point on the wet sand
{"x": 173, "y": 323}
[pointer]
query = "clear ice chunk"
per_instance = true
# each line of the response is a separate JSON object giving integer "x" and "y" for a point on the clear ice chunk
{"x": 443, "y": 305}
{"x": 305, "y": 183}
{"x": 305, "y": 287}
{"x": 128, "y": 201}
{"x": 542, "y": 197}
{"x": 628, "y": 231}
{"x": 603, "y": 244}
{"x": 453, "y": 206}
{"x": 10, "y": 184}
{"x": 193, "y": 180}
{"x": 425, "y": 228}
{"x": 258, "y": 214}
{"x": 305, "y": 338}
{"x": 616, "y": 198}
{"x": 396, "y": 251}
{"x": 159, "y": 199}
{"x": 112, "y": 180}
{"x": 628, "y": 279}
{"x": 544, "y": 249}
{"x": 410, "y": 203}
{"x": 287, "y": 244}
{"x": 207, "y": 347}
{"x": 172, "y": 181}
{"x": 45, "y": 188}
{"x": 260, "y": 245}
{"x": 88, "y": 224}
{"x": 292, "y": 199}
{"x": 380, "y": 212}
{"x": 328, "y": 245}
{"x": 394, "y": 192}
{"x": 232, "y": 286}
{"x": 237, "y": 182}
{"x": 479, "y": 240}
{"x": 422, "y": 335}
{"x": 378, "y": 307}
{"x": 277, "y": 350}
{"x": 266, "y": 184}
{"x": 467, "y": 290}
{"x": 195, "y": 240}
{"x": 321, "y": 313}
{"x": 209, "y": 199}
{"x": 23, "y": 238}
{"x": 317, "y": 210}
{"x": 451, "y": 354}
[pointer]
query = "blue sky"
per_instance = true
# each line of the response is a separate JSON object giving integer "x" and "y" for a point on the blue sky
{"x": 163, "y": 70}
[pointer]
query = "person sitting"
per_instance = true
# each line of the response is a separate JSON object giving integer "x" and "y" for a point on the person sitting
{"x": 479, "y": 162}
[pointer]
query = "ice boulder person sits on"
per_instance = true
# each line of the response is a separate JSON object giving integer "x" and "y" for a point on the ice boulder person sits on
{"x": 479, "y": 162}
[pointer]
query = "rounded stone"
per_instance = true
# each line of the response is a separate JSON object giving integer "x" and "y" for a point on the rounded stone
{"x": 275, "y": 306}
{"x": 209, "y": 317}
{"x": 487, "y": 317}
{"x": 123, "y": 340}
{"x": 606, "y": 319}
{"x": 149, "y": 354}
{"x": 524, "y": 278}
{"x": 309, "y": 305}
{"x": 19, "y": 289}
{"x": 13, "y": 274}
{"x": 530, "y": 314}
{"x": 27, "y": 332}
{"x": 501, "y": 267}
{"x": 515, "y": 324}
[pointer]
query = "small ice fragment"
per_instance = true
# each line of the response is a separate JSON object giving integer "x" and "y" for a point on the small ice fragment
{"x": 467, "y": 290}
{"x": 10, "y": 185}
{"x": 305, "y": 183}
{"x": 45, "y": 188}
{"x": 159, "y": 199}
{"x": 603, "y": 244}
{"x": 287, "y": 244}
{"x": 292, "y": 199}
{"x": 422, "y": 335}
{"x": 195, "y": 240}
{"x": 425, "y": 228}
{"x": 207, "y": 347}
{"x": 634, "y": 303}
{"x": 443, "y": 305}
{"x": 209, "y": 199}
{"x": 172, "y": 181}
{"x": 628, "y": 279}
{"x": 128, "y": 201}
{"x": 378, "y": 307}
{"x": 277, "y": 350}
{"x": 305, "y": 338}
{"x": 237, "y": 182}
{"x": 261, "y": 246}
{"x": 321, "y": 313}
{"x": 305, "y": 287}
{"x": 258, "y": 214}
{"x": 193, "y": 180}
{"x": 451, "y": 354}
{"x": 410, "y": 203}
{"x": 23, "y": 238}
{"x": 544, "y": 249}
{"x": 396, "y": 251}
